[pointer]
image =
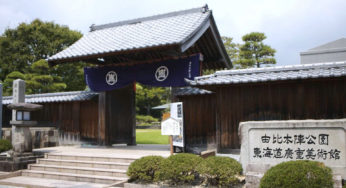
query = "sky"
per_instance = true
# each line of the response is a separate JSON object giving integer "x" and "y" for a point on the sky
{"x": 291, "y": 26}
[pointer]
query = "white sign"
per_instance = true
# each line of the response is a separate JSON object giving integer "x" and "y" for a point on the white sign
{"x": 170, "y": 126}
{"x": 177, "y": 112}
{"x": 272, "y": 142}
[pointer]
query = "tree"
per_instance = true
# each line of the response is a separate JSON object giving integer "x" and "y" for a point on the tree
{"x": 40, "y": 81}
{"x": 148, "y": 97}
{"x": 28, "y": 43}
{"x": 254, "y": 52}
{"x": 71, "y": 74}
{"x": 232, "y": 48}
{"x": 8, "y": 82}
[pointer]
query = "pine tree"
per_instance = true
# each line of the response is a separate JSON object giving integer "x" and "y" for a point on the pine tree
{"x": 254, "y": 52}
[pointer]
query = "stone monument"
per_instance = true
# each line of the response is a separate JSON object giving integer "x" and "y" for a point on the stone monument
{"x": 22, "y": 153}
{"x": 268, "y": 143}
{"x": 21, "y": 123}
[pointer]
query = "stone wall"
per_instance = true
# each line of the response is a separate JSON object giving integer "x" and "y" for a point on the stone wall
{"x": 41, "y": 136}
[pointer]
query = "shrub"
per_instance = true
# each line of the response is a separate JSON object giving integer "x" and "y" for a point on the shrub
{"x": 298, "y": 174}
{"x": 178, "y": 169}
{"x": 145, "y": 120}
{"x": 220, "y": 170}
{"x": 143, "y": 169}
{"x": 5, "y": 145}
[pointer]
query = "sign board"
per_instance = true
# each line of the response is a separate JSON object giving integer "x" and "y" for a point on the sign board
{"x": 177, "y": 113}
{"x": 170, "y": 126}
{"x": 272, "y": 142}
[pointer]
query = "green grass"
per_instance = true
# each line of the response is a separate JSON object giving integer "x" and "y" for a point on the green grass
{"x": 150, "y": 136}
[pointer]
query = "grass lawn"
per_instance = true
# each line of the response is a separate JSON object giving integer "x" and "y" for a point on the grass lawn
{"x": 150, "y": 136}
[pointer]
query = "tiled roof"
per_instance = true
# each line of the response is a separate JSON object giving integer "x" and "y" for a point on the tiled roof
{"x": 191, "y": 91}
{"x": 54, "y": 97}
{"x": 293, "y": 72}
{"x": 159, "y": 30}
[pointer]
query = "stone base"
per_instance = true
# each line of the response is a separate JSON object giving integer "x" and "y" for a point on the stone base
{"x": 41, "y": 136}
{"x": 253, "y": 180}
{"x": 21, "y": 139}
{"x": 18, "y": 161}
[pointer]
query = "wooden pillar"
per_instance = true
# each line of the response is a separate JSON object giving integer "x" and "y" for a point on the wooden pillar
{"x": 117, "y": 117}
{"x": 102, "y": 119}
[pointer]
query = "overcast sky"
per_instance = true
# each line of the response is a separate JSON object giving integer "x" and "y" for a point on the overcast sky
{"x": 291, "y": 26}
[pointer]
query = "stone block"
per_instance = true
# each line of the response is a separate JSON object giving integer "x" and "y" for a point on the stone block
{"x": 267, "y": 143}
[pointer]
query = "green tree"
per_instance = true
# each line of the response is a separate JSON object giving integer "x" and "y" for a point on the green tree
{"x": 232, "y": 48}
{"x": 40, "y": 81}
{"x": 8, "y": 82}
{"x": 148, "y": 97}
{"x": 72, "y": 74}
{"x": 28, "y": 43}
{"x": 254, "y": 52}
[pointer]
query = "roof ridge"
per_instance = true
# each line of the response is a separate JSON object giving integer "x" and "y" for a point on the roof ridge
{"x": 53, "y": 94}
{"x": 148, "y": 18}
{"x": 273, "y": 69}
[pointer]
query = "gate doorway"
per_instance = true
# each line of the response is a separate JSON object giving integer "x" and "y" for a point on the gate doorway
{"x": 130, "y": 47}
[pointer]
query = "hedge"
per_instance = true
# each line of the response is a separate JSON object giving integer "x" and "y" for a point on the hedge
{"x": 5, "y": 145}
{"x": 143, "y": 169}
{"x": 220, "y": 170}
{"x": 298, "y": 174}
{"x": 178, "y": 169}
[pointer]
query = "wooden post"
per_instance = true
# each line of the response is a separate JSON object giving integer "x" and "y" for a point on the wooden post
{"x": 171, "y": 144}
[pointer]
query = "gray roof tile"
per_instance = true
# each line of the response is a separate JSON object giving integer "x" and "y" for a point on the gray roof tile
{"x": 292, "y": 72}
{"x": 54, "y": 97}
{"x": 165, "y": 29}
{"x": 191, "y": 91}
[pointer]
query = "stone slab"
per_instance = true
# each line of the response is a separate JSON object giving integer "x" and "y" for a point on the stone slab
{"x": 41, "y": 182}
{"x": 267, "y": 143}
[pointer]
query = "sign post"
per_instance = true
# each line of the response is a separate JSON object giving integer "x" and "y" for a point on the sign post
{"x": 170, "y": 126}
{"x": 173, "y": 126}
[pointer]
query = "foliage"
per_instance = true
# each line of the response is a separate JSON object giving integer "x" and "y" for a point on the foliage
{"x": 220, "y": 170}
{"x": 178, "y": 169}
{"x": 232, "y": 48}
{"x": 254, "y": 52}
{"x": 39, "y": 80}
{"x": 28, "y": 43}
{"x": 143, "y": 169}
{"x": 145, "y": 120}
{"x": 8, "y": 82}
{"x": 5, "y": 145}
{"x": 151, "y": 136}
{"x": 148, "y": 97}
{"x": 71, "y": 74}
{"x": 298, "y": 174}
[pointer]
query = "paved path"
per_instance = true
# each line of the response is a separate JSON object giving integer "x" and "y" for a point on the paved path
{"x": 41, "y": 182}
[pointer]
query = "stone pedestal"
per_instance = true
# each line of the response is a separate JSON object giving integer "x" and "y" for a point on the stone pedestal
{"x": 21, "y": 136}
{"x": 21, "y": 139}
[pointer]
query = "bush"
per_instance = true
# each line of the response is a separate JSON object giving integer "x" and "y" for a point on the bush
{"x": 5, "y": 145}
{"x": 298, "y": 174}
{"x": 143, "y": 169}
{"x": 220, "y": 170}
{"x": 145, "y": 120}
{"x": 178, "y": 169}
